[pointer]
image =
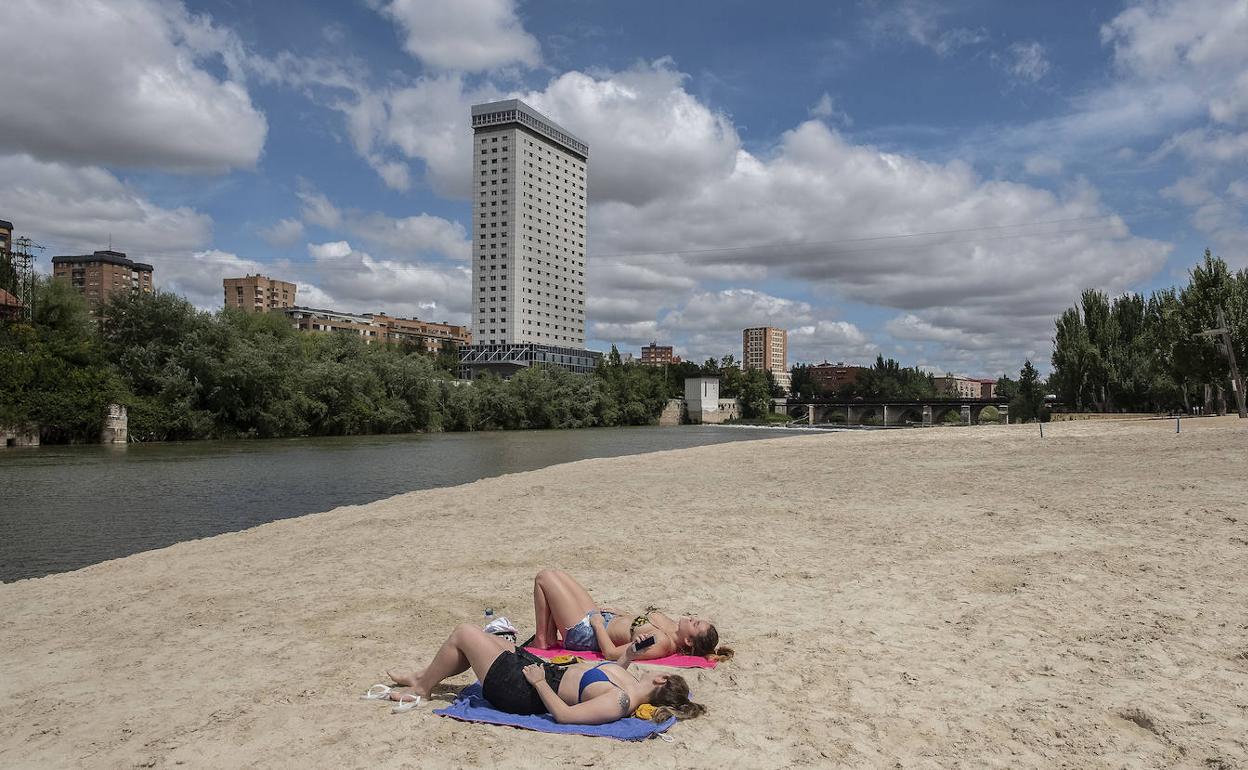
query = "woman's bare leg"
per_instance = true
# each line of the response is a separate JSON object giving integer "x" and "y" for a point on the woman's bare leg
{"x": 467, "y": 646}
{"x": 560, "y": 601}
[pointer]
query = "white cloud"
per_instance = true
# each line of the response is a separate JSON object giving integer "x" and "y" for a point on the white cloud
{"x": 283, "y": 233}
{"x": 355, "y": 281}
{"x": 921, "y": 22}
{"x": 77, "y": 210}
{"x": 198, "y": 276}
{"x": 826, "y": 109}
{"x": 120, "y": 82}
{"x": 1026, "y": 61}
{"x": 468, "y": 35}
{"x": 419, "y": 235}
{"x": 1043, "y": 165}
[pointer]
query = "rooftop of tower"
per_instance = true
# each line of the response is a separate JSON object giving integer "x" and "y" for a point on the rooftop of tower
{"x": 516, "y": 111}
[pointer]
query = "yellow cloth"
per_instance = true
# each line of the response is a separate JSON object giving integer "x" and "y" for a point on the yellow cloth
{"x": 564, "y": 660}
{"x": 645, "y": 711}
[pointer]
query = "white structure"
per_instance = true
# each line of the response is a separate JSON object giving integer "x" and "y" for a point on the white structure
{"x": 702, "y": 400}
{"x": 528, "y": 229}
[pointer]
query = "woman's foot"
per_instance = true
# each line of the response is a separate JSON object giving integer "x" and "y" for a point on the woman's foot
{"x": 404, "y": 680}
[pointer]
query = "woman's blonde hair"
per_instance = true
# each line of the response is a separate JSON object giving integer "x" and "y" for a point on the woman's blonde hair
{"x": 672, "y": 700}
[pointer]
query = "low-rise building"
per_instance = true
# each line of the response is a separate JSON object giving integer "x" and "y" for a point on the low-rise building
{"x": 11, "y": 308}
{"x": 102, "y": 274}
{"x": 378, "y": 327}
{"x": 258, "y": 293}
{"x": 6, "y": 235}
{"x": 957, "y": 386}
{"x": 658, "y": 355}
{"x": 987, "y": 388}
{"x": 433, "y": 337}
{"x": 830, "y": 378}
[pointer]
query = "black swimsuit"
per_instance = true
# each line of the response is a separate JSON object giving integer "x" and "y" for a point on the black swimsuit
{"x": 506, "y": 688}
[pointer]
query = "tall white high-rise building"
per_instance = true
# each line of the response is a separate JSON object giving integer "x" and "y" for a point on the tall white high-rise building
{"x": 528, "y": 228}
{"x": 528, "y": 243}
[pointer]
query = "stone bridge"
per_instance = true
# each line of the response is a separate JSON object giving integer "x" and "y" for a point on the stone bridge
{"x": 890, "y": 412}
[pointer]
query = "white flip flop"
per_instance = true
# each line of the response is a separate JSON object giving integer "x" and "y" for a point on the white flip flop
{"x": 377, "y": 692}
{"x": 405, "y": 705}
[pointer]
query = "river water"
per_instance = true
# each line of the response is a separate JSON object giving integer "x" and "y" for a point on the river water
{"x": 62, "y": 508}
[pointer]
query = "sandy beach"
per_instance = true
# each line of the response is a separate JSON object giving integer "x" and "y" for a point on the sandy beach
{"x": 945, "y": 597}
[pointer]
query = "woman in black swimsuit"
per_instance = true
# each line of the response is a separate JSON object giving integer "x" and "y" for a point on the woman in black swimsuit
{"x": 516, "y": 681}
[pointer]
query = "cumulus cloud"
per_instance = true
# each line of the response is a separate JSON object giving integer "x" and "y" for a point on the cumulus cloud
{"x": 351, "y": 280}
{"x": 73, "y": 209}
{"x": 124, "y": 82}
{"x": 468, "y": 35}
{"x": 419, "y": 235}
{"x": 283, "y": 233}
{"x": 198, "y": 276}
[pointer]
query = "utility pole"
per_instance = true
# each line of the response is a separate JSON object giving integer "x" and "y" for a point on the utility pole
{"x": 1222, "y": 340}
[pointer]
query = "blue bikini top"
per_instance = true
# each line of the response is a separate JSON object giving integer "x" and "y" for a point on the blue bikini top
{"x": 595, "y": 674}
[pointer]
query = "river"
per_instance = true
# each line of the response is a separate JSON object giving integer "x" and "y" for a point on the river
{"x": 62, "y": 508}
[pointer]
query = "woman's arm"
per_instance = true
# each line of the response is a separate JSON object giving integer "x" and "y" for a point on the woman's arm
{"x": 606, "y": 647}
{"x": 599, "y": 710}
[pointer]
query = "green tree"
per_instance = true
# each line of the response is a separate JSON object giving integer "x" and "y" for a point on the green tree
{"x": 1028, "y": 404}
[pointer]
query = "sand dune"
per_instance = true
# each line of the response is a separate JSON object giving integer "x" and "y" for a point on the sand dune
{"x": 946, "y": 597}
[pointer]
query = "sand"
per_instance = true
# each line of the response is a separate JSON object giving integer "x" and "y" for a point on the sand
{"x": 972, "y": 597}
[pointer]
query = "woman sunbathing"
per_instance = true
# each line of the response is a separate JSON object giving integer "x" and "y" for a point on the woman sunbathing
{"x": 518, "y": 682}
{"x": 563, "y": 606}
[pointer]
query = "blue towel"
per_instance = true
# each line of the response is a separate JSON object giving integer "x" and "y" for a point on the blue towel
{"x": 470, "y": 706}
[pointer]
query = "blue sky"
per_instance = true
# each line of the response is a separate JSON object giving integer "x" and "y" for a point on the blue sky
{"x": 934, "y": 181}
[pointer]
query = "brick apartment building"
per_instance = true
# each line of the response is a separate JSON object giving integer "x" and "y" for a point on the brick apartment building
{"x": 767, "y": 348}
{"x": 258, "y": 293}
{"x": 658, "y": 355}
{"x": 377, "y": 327}
{"x": 957, "y": 386}
{"x": 828, "y": 378}
{"x": 102, "y": 274}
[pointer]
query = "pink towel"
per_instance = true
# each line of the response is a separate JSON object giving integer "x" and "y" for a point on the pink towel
{"x": 675, "y": 661}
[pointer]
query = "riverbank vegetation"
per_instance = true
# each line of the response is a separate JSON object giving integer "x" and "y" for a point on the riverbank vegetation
{"x": 1141, "y": 354}
{"x": 188, "y": 374}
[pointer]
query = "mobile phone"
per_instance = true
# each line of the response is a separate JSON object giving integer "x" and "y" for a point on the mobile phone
{"x": 643, "y": 643}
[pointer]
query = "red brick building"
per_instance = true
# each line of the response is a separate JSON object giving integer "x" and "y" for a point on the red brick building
{"x": 829, "y": 378}
{"x": 658, "y": 355}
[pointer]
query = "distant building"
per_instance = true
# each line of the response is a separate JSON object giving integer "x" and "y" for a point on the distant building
{"x": 528, "y": 261}
{"x": 987, "y": 388}
{"x": 767, "y": 348}
{"x": 6, "y": 235}
{"x": 102, "y": 274}
{"x": 432, "y": 336}
{"x": 378, "y": 327}
{"x": 11, "y": 308}
{"x": 658, "y": 355}
{"x": 829, "y": 378}
{"x": 258, "y": 293}
{"x": 957, "y": 386}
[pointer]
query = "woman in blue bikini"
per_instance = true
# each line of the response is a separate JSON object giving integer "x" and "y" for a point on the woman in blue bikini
{"x": 518, "y": 682}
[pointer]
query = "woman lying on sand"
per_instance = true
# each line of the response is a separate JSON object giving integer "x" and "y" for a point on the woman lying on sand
{"x": 519, "y": 682}
{"x": 563, "y": 605}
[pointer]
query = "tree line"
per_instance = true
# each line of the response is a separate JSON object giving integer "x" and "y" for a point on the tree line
{"x": 189, "y": 374}
{"x": 1143, "y": 354}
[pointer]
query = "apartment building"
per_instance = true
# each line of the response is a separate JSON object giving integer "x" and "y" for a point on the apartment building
{"x": 102, "y": 274}
{"x": 378, "y": 327}
{"x": 258, "y": 293}
{"x": 828, "y": 378}
{"x": 658, "y": 355}
{"x": 6, "y": 235}
{"x": 958, "y": 386}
